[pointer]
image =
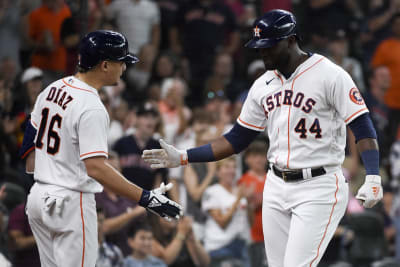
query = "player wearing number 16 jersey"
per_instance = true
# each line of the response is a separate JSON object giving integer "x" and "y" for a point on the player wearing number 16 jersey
{"x": 68, "y": 133}
{"x": 303, "y": 102}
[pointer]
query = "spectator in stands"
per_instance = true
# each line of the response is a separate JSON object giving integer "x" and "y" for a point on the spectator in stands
{"x": 175, "y": 243}
{"x": 32, "y": 85}
{"x": 388, "y": 218}
{"x": 165, "y": 66}
{"x": 226, "y": 227}
{"x": 256, "y": 160}
{"x": 21, "y": 240}
{"x": 138, "y": 20}
{"x": 141, "y": 241}
{"x": 120, "y": 213}
{"x": 139, "y": 76}
{"x": 202, "y": 27}
{"x": 44, "y": 32}
{"x": 3, "y": 215}
{"x": 174, "y": 112}
{"x": 377, "y": 25}
{"x": 198, "y": 125}
{"x": 379, "y": 83}
{"x": 9, "y": 30}
{"x": 129, "y": 149}
{"x": 109, "y": 254}
{"x": 388, "y": 54}
{"x": 168, "y": 12}
{"x": 223, "y": 78}
{"x": 255, "y": 69}
{"x": 338, "y": 49}
{"x": 198, "y": 177}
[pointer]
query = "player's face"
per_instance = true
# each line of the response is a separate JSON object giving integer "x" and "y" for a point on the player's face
{"x": 141, "y": 243}
{"x": 146, "y": 124}
{"x": 275, "y": 57}
{"x": 256, "y": 162}
{"x": 227, "y": 172}
{"x": 115, "y": 69}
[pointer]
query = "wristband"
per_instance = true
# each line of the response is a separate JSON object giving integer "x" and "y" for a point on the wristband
{"x": 201, "y": 154}
{"x": 370, "y": 159}
{"x": 144, "y": 198}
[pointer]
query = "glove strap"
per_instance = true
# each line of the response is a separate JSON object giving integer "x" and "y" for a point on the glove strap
{"x": 373, "y": 179}
{"x": 184, "y": 158}
{"x": 144, "y": 198}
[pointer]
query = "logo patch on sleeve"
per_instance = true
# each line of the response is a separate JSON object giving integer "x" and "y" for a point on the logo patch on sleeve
{"x": 355, "y": 96}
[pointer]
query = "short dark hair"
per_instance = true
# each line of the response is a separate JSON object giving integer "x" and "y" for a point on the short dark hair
{"x": 257, "y": 147}
{"x": 140, "y": 226}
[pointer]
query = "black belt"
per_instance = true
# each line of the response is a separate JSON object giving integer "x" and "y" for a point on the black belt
{"x": 293, "y": 176}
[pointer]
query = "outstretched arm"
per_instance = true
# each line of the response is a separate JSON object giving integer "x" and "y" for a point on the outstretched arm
{"x": 371, "y": 191}
{"x": 154, "y": 201}
{"x": 235, "y": 141}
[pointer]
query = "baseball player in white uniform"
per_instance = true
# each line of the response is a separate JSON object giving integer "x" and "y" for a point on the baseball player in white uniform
{"x": 304, "y": 102}
{"x": 70, "y": 126}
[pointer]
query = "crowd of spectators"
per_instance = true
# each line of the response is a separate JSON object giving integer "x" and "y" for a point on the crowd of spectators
{"x": 192, "y": 79}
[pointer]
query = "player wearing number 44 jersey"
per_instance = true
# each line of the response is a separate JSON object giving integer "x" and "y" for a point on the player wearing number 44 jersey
{"x": 303, "y": 102}
{"x": 68, "y": 134}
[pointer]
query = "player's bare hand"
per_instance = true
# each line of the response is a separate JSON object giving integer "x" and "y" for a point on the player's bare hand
{"x": 159, "y": 204}
{"x": 371, "y": 191}
{"x": 167, "y": 157}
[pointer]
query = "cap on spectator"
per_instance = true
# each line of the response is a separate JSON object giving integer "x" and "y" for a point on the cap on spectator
{"x": 30, "y": 74}
{"x": 147, "y": 108}
{"x": 255, "y": 66}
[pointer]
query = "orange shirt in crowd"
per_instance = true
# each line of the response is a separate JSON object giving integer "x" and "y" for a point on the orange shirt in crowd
{"x": 388, "y": 54}
{"x": 249, "y": 179}
{"x": 41, "y": 20}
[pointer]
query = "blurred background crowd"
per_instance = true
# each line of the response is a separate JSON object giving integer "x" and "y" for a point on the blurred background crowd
{"x": 188, "y": 88}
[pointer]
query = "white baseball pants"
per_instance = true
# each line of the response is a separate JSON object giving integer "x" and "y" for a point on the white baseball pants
{"x": 64, "y": 224}
{"x": 300, "y": 218}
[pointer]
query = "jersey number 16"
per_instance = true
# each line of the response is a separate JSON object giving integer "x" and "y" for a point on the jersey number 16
{"x": 52, "y": 147}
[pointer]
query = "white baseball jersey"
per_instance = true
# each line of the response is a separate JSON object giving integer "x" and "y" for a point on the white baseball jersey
{"x": 305, "y": 115}
{"x": 72, "y": 124}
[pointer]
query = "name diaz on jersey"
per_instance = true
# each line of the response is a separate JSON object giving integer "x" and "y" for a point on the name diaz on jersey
{"x": 54, "y": 96}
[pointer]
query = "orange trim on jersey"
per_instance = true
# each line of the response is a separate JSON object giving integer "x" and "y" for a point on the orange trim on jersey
{"x": 28, "y": 151}
{"x": 290, "y": 107}
{"x": 251, "y": 125}
{"x": 70, "y": 85}
{"x": 355, "y": 113}
{"x": 279, "y": 76}
{"x": 83, "y": 232}
{"x": 329, "y": 221}
{"x": 93, "y": 153}
{"x": 34, "y": 124}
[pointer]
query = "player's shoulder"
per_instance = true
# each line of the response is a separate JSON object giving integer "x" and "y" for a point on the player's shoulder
{"x": 326, "y": 66}
{"x": 264, "y": 83}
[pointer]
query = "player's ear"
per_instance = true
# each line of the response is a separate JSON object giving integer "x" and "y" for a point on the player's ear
{"x": 104, "y": 65}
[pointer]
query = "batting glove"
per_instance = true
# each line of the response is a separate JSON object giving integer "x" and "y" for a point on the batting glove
{"x": 371, "y": 191}
{"x": 157, "y": 203}
{"x": 167, "y": 157}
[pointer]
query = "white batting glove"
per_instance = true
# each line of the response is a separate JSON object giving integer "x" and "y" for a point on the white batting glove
{"x": 167, "y": 157}
{"x": 371, "y": 191}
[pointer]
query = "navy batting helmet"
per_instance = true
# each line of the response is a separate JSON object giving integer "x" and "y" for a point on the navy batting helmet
{"x": 104, "y": 45}
{"x": 272, "y": 27}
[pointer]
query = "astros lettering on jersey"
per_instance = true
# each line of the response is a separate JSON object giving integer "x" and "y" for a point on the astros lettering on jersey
{"x": 305, "y": 115}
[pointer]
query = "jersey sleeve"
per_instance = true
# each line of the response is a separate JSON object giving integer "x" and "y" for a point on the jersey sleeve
{"x": 346, "y": 98}
{"x": 92, "y": 131}
{"x": 252, "y": 115}
{"x": 35, "y": 114}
